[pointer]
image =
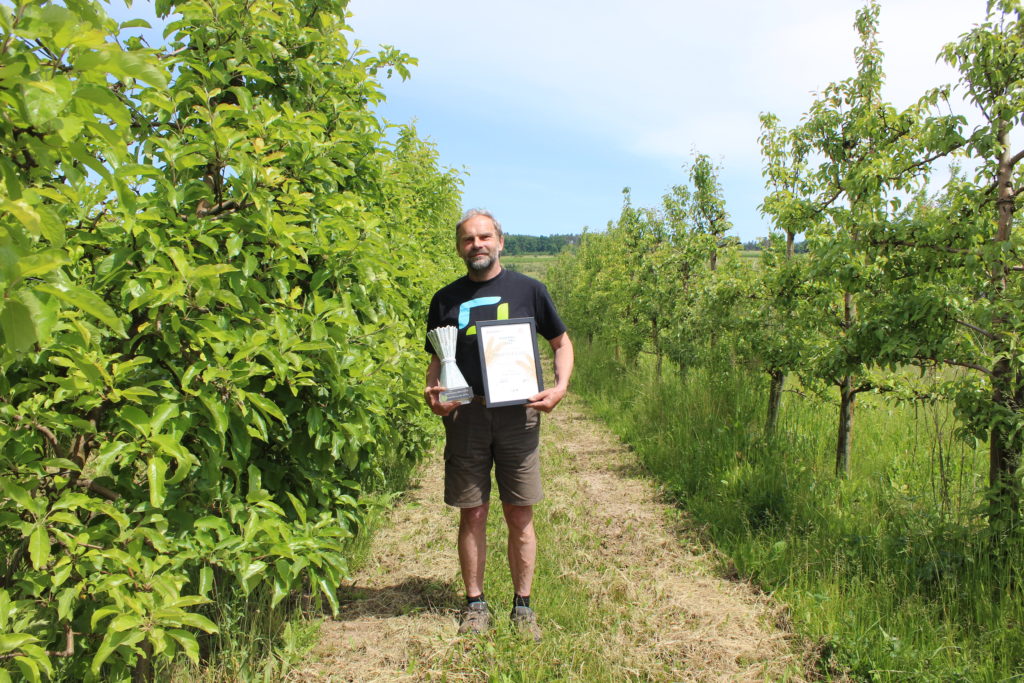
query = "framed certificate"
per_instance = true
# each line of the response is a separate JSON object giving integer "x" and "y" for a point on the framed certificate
{"x": 509, "y": 361}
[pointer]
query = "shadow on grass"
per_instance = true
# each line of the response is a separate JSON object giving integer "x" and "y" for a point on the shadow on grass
{"x": 412, "y": 596}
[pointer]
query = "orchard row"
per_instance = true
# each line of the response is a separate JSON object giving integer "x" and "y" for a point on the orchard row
{"x": 214, "y": 259}
{"x": 912, "y": 269}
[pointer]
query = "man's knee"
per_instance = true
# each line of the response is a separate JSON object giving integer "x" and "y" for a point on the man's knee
{"x": 518, "y": 517}
{"x": 474, "y": 517}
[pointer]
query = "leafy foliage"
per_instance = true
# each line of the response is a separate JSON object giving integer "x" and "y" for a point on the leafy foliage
{"x": 213, "y": 267}
{"x": 894, "y": 277}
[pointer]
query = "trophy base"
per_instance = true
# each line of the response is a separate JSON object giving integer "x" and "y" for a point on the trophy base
{"x": 461, "y": 394}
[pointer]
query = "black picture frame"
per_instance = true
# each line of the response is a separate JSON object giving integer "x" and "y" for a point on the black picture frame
{"x": 522, "y": 357}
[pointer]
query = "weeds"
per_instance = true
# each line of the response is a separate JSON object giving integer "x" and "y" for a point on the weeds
{"x": 890, "y": 570}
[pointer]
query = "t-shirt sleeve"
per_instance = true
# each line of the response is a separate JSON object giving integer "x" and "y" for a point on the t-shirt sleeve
{"x": 433, "y": 320}
{"x": 549, "y": 324}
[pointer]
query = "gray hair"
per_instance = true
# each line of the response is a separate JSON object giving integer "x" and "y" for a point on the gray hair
{"x": 472, "y": 213}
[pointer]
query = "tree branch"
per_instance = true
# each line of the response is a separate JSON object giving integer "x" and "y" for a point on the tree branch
{"x": 977, "y": 329}
{"x": 99, "y": 489}
{"x": 223, "y": 207}
{"x": 972, "y": 366}
{"x": 915, "y": 245}
{"x": 51, "y": 438}
{"x": 69, "y": 647}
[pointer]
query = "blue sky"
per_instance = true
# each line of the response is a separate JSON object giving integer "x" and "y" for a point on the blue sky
{"x": 552, "y": 107}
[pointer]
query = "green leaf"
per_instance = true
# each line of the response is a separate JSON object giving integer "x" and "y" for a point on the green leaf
{"x": 111, "y": 642}
{"x": 330, "y": 592}
{"x": 123, "y": 65}
{"x": 26, "y": 215}
{"x": 19, "y": 334}
{"x": 205, "y": 580}
{"x": 265, "y": 405}
{"x": 124, "y": 622}
{"x": 157, "y": 471}
{"x": 300, "y": 509}
{"x": 64, "y": 602}
{"x": 217, "y": 410}
{"x": 87, "y": 302}
{"x": 161, "y": 414}
{"x": 42, "y": 310}
{"x": 41, "y": 262}
{"x": 199, "y": 621}
{"x": 45, "y": 100}
{"x": 14, "y": 641}
{"x": 29, "y": 669}
{"x": 188, "y": 643}
{"x": 16, "y": 493}
{"x": 211, "y": 270}
{"x": 39, "y": 547}
{"x": 102, "y": 613}
{"x": 253, "y": 574}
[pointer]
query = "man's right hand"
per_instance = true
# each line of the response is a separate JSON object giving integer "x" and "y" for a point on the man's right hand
{"x": 433, "y": 397}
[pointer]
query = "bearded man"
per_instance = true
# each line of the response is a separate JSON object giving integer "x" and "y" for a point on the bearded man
{"x": 507, "y": 437}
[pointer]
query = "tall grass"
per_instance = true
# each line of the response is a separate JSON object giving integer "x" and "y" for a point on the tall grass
{"x": 889, "y": 571}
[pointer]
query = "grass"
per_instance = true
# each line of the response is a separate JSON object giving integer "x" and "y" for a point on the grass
{"x": 534, "y": 265}
{"x": 621, "y": 594}
{"x": 889, "y": 571}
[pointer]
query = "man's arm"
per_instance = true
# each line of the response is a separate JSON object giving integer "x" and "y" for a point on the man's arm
{"x": 434, "y": 388}
{"x": 546, "y": 400}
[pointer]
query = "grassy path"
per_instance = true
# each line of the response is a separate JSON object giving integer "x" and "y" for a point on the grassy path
{"x": 624, "y": 591}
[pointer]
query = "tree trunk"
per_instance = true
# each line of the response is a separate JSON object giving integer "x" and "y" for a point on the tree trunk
{"x": 143, "y": 670}
{"x": 1007, "y": 390}
{"x": 847, "y": 398}
{"x": 1004, "y": 449}
{"x": 774, "y": 402}
{"x": 657, "y": 346}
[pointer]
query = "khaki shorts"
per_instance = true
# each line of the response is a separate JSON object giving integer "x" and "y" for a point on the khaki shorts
{"x": 477, "y": 436}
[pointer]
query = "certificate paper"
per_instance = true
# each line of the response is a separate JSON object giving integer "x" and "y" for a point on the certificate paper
{"x": 509, "y": 360}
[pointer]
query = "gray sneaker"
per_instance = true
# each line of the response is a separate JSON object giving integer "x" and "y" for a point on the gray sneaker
{"x": 525, "y": 621}
{"x": 475, "y": 618}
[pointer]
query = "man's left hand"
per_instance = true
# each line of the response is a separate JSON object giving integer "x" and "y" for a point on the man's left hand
{"x": 546, "y": 400}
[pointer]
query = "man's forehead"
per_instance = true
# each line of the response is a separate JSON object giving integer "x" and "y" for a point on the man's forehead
{"x": 477, "y": 224}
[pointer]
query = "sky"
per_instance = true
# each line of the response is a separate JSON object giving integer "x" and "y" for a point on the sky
{"x": 549, "y": 108}
{"x": 552, "y": 107}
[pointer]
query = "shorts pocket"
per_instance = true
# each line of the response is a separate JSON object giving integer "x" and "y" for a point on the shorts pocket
{"x": 532, "y": 420}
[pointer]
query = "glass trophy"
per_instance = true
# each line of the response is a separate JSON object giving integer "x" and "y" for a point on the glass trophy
{"x": 455, "y": 386}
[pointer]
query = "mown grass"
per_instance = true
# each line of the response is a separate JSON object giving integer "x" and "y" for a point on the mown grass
{"x": 534, "y": 265}
{"x": 890, "y": 571}
{"x": 575, "y": 625}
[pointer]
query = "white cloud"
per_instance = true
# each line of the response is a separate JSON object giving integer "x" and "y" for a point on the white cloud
{"x": 654, "y": 79}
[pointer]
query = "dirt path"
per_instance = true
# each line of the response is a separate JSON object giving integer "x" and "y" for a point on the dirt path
{"x": 623, "y": 592}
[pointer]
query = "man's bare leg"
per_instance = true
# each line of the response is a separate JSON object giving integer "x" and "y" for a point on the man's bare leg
{"x": 522, "y": 546}
{"x": 473, "y": 547}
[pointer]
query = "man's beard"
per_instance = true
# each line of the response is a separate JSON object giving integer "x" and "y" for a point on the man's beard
{"x": 478, "y": 264}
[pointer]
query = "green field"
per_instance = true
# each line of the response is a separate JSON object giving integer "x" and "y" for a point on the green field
{"x": 534, "y": 265}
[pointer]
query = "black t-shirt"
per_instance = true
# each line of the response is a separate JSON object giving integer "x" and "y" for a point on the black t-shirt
{"x": 507, "y": 295}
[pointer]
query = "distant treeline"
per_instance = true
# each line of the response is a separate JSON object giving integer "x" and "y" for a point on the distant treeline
{"x": 553, "y": 244}
{"x": 537, "y": 244}
{"x": 759, "y": 244}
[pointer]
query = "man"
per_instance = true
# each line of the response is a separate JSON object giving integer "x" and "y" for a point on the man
{"x": 507, "y": 437}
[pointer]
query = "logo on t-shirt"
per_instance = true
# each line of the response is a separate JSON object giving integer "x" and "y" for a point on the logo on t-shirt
{"x": 466, "y": 307}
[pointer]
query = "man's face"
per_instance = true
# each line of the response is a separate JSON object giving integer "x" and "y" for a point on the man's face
{"x": 479, "y": 243}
